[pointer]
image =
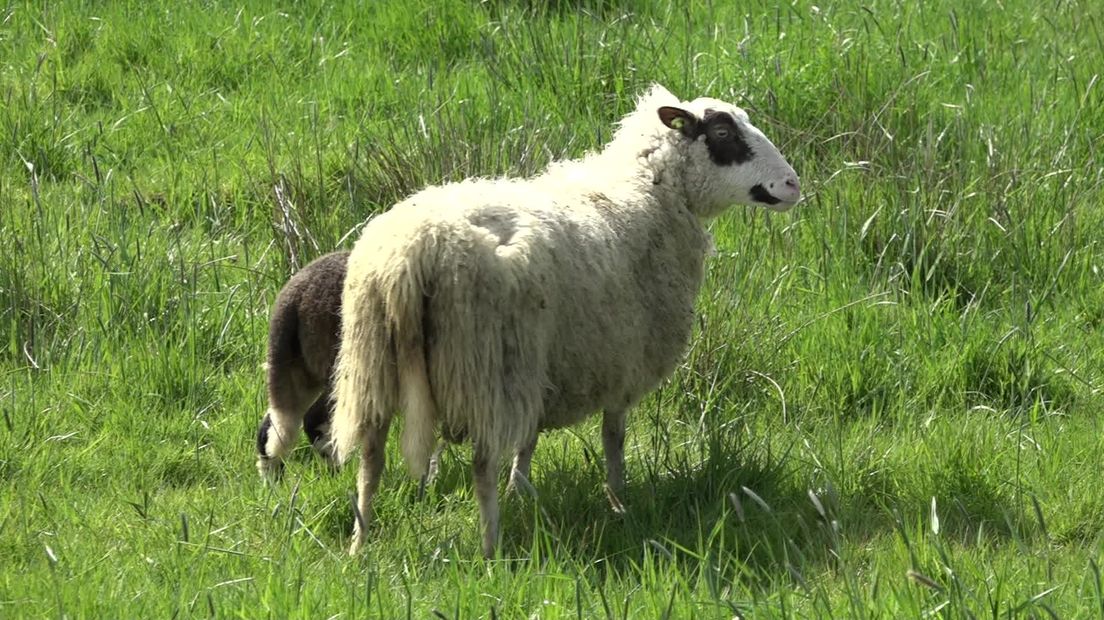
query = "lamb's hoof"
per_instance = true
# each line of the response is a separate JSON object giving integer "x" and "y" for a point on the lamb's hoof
{"x": 324, "y": 449}
{"x": 270, "y": 469}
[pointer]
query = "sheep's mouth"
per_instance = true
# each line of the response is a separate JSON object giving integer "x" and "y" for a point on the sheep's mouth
{"x": 760, "y": 194}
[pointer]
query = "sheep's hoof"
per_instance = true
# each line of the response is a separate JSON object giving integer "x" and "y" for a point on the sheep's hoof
{"x": 433, "y": 466}
{"x": 520, "y": 485}
{"x": 270, "y": 469}
{"x": 428, "y": 477}
{"x": 615, "y": 501}
{"x": 489, "y": 550}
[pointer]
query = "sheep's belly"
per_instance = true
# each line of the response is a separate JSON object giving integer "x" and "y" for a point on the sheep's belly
{"x": 607, "y": 374}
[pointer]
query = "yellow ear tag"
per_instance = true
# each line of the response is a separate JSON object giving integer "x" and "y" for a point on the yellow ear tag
{"x": 678, "y": 123}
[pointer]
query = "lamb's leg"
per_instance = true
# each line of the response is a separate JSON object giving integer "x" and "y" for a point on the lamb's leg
{"x": 613, "y": 443}
{"x": 290, "y": 393}
{"x": 519, "y": 473}
{"x": 485, "y": 466}
{"x": 372, "y": 459}
{"x": 317, "y": 426}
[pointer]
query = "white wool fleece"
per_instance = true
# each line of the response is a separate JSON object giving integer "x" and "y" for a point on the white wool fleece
{"x": 499, "y": 307}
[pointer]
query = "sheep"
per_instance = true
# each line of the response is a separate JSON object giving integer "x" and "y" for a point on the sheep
{"x": 498, "y": 308}
{"x": 303, "y": 336}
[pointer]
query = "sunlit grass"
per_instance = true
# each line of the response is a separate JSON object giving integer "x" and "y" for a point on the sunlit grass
{"x": 892, "y": 407}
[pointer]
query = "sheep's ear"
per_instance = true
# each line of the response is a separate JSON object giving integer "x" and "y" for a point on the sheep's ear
{"x": 682, "y": 120}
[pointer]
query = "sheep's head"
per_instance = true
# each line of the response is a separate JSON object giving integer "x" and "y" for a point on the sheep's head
{"x": 729, "y": 160}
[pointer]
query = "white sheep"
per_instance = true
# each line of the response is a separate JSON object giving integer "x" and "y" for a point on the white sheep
{"x": 498, "y": 308}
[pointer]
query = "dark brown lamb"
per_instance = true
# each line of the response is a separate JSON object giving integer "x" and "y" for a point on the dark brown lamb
{"x": 304, "y": 333}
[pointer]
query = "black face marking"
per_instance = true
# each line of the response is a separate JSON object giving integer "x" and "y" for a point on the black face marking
{"x": 724, "y": 139}
{"x": 760, "y": 194}
{"x": 262, "y": 435}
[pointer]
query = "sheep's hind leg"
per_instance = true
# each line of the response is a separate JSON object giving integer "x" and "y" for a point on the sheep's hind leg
{"x": 485, "y": 468}
{"x": 613, "y": 443}
{"x": 290, "y": 394}
{"x": 519, "y": 473}
{"x": 372, "y": 460}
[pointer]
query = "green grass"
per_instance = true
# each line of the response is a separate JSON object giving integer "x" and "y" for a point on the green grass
{"x": 893, "y": 408}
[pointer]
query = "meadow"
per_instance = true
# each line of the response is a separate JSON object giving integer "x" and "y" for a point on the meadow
{"x": 892, "y": 408}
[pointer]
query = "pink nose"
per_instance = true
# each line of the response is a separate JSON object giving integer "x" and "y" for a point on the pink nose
{"x": 788, "y": 189}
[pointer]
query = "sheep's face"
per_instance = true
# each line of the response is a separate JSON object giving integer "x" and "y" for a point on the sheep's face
{"x": 730, "y": 160}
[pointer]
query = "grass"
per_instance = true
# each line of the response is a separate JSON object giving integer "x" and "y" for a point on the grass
{"x": 893, "y": 407}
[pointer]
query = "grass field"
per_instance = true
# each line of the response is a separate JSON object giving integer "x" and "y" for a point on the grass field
{"x": 893, "y": 407}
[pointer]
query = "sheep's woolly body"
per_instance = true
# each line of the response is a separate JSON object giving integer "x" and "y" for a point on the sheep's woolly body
{"x": 500, "y": 307}
{"x": 495, "y": 308}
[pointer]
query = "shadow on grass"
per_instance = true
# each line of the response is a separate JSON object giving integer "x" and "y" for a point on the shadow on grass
{"x": 744, "y": 514}
{"x": 726, "y": 506}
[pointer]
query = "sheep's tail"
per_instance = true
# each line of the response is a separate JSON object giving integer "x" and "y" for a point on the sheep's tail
{"x": 419, "y": 411}
{"x": 363, "y": 375}
{"x": 381, "y": 363}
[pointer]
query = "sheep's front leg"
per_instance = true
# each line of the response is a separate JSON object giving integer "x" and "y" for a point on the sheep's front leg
{"x": 485, "y": 468}
{"x": 519, "y": 473}
{"x": 613, "y": 443}
{"x": 372, "y": 460}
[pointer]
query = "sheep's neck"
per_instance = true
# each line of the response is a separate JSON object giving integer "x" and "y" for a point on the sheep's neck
{"x": 639, "y": 184}
{"x": 651, "y": 189}
{"x": 660, "y": 170}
